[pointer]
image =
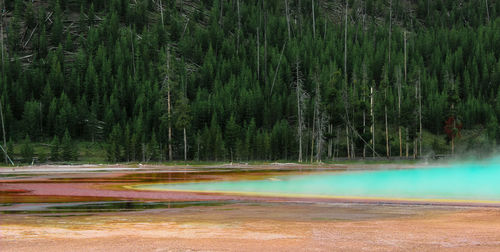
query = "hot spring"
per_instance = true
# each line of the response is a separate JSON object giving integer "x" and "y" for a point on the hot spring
{"x": 468, "y": 182}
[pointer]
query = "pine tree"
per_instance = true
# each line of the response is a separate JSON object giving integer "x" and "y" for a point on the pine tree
{"x": 27, "y": 151}
{"x": 68, "y": 152}
{"x": 183, "y": 119}
{"x": 10, "y": 148}
{"x": 153, "y": 150}
{"x": 57, "y": 27}
{"x": 54, "y": 149}
{"x": 31, "y": 118}
{"x": 232, "y": 135}
{"x": 114, "y": 147}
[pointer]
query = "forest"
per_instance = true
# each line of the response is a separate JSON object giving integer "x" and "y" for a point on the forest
{"x": 238, "y": 80}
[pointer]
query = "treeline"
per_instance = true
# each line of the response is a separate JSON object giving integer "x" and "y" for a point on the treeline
{"x": 250, "y": 80}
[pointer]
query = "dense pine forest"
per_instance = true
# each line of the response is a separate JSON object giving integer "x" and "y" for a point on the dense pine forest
{"x": 303, "y": 80}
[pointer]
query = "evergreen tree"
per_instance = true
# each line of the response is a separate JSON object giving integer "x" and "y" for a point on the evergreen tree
{"x": 170, "y": 70}
{"x": 232, "y": 135}
{"x": 69, "y": 152}
{"x": 27, "y": 151}
{"x": 183, "y": 119}
{"x": 114, "y": 148}
{"x": 153, "y": 150}
{"x": 493, "y": 129}
{"x": 54, "y": 149}
{"x": 10, "y": 148}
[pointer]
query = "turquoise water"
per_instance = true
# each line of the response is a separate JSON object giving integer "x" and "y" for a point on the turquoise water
{"x": 468, "y": 181}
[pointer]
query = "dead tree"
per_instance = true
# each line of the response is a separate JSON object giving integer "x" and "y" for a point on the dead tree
{"x": 166, "y": 88}
{"x": 398, "y": 85}
{"x": 258, "y": 55}
{"x": 364, "y": 85}
{"x": 487, "y": 11}
{"x": 345, "y": 80}
{"x": 277, "y": 69}
{"x": 321, "y": 121}
{"x": 419, "y": 113}
{"x": 390, "y": 30}
{"x": 239, "y": 27}
{"x": 372, "y": 128}
{"x": 287, "y": 13}
{"x": 3, "y": 71}
{"x": 3, "y": 129}
{"x": 314, "y": 19}
{"x": 301, "y": 96}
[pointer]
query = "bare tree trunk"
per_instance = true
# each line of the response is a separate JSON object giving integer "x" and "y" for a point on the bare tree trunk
{"x": 330, "y": 141}
{"x": 452, "y": 134}
{"x": 487, "y": 11}
{"x": 277, "y": 69}
{"x": 133, "y": 53}
{"x": 161, "y": 12}
{"x": 258, "y": 55}
{"x": 407, "y": 142}
{"x": 347, "y": 141}
{"x": 345, "y": 80}
{"x": 324, "y": 31}
{"x": 287, "y": 19}
{"x": 3, "y": 131}
{"x": 364, "y": 126}
{"x": 407, "y": 130}
{"x": 415, "y": 148}
{"x": 314, "y": 19}
{"x": 398, "y": 82}
{"x": 353, "y": 150}
{"x": 185, "y": 144}
{"x": 312, "y": 136}
{"x": 365, "y": 80}
{"x": 364, "y": 15}
{"x": 300, "y": 100}
{"x": 1, "y": 108}
{"x": 405, "y": 57}
{"x": 386, "y": 128}
{"x": 373, "y": 121}
{"x": 1, "y": 33}
{"x": 337, "y": 142}
{"x": 239, "y": 27}
{"x": 390, "y": 31}
{"x": 299, "y": 14}
{"x": 415, "y": 139}
{"x": 265, "y": 45}
{"x": 169, "y": 107}
{"x": 319, "y": 122}
{"x": 319, "y": 140}
{"x": 420, "y": 112}
{"x": 364, "y": 132}
{"x": 221, "y": 10}
{"x": 389, "y": 67}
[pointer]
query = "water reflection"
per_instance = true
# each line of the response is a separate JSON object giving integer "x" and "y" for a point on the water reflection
{"x": 102, "y": 206}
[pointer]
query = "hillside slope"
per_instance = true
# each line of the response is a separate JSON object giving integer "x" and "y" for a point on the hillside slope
{"x": 240, "y": 80}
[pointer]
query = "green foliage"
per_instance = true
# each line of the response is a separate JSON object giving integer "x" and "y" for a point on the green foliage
{"x": 27, "y": 151}
{"x": 10, "y": 148}
{"x": 69, "y": 152}
{"x": 493, "y": 129}
{"x": 55, "y": 154}
{"x": 31, "y": 118}
{"x": 114, "y": 148}
{"x": 153, "y": 149}
{"x": 232, "y": 135}
{"x": 104, "y": 78}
